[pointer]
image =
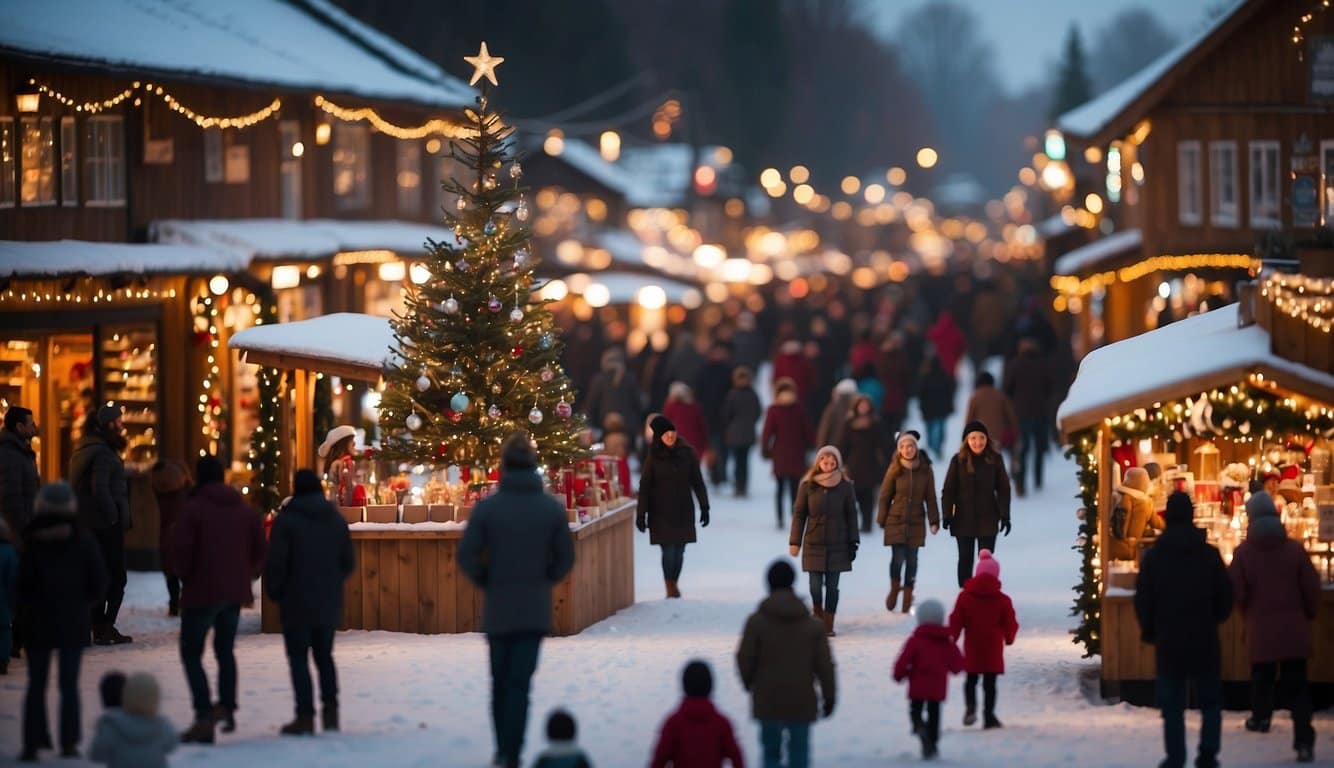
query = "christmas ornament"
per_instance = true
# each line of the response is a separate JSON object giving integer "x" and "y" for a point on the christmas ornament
{"x": 535, "y": 415}
{"x": 459, "y": 402}
{"x": 545, "y": 341}
{"x": 493, "y": 411}
{"x": 423, "y": 383}
{"x": 456, "y": 371}
{"x": 494, "y": 304}
{"x": 484, "y": 65}
{"x": 455, "y": 417}
{"x": 518, "y": 350}
{"x": 515, "y": 170}
{"x": 520, "y": 256}
{"x": 563, "y": 409}
{"x": 490, "y": 227}
{"x": 463, "y": 265}
{"x": 521, "y": 212}
{"x": 516, "y": 315}
{"x": 547, "y": 374}
{"x": 413, "y": 422}
{"x": 1081, "y": 513}
{"x": 496, "y": 388}
{"x": 462, "y": 203}
{"x": 450, "y": 306}
{"x": 490, "y": 181}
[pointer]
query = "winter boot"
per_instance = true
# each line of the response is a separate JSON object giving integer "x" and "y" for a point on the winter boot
{"x": 929, "y": 751}
{"x": 70, "y": 750}
{"x": 894, "y": 586}
{"x": 200, "y": 732}
{"x": 672, "y": 590}
{"x": 828, "y": 624}
{"x": 303, "y": 725}
{"x": 225, "y": 717}
{"x": 173, "y": 608}
{"x": 114, "y": 637}
{"x": 100, "y": 635}
{"x": 989, "y": 721}
{"x": 970, "y": 716}
{"x": 329, "y": 718}
{"x": 28, "y": 755}
{"x": 1306, "y": 754}
{"x": 907, "y": 599}
{"x": 1257, "y": 725}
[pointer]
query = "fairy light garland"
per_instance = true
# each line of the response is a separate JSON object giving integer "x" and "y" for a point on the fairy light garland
{"x": 1308, "y": 299}
{"x": 91, "y": 107}
{"x": 102, "y": 296}
{"x": 366, "y": 114}
{"x": 1071, "y": 285}
{"x": 173, "y": 103}
{"x": 264, "y": 459}
{"x": 210, "y": 413}
{"x": 1299, "y": 29}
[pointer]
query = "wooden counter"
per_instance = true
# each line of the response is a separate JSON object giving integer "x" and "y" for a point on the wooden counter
{"x": 409, "y": 581}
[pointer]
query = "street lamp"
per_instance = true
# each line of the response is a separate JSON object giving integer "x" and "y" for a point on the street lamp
{"x": 28, "y": 100}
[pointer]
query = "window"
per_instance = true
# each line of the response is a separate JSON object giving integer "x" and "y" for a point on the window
{"x": 8, "y": 164}
{"x": 38, "y": 162}
{"x": 351, "y": 165}
{"x": 1265, "y": 185}
{"x": 69, "y": 162}
{"x": 1188, "y": 182}
{"x": 212, "y": 155}
{"x": 1223, "y": 183}
{"x": 104, "y": 157}
{"x": 409, "y": 178}
{"x": 292, "y": 149}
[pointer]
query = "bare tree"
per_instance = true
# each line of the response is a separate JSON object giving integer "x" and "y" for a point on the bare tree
{"x": 1125, "y": 45}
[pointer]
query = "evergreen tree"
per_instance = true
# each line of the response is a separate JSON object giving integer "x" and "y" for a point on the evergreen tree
{"x": 478, "y": 357}
{"x": 1073, "y": 87}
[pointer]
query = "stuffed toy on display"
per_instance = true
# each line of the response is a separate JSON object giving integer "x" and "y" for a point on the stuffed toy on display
{"x": 1133, "y": 516}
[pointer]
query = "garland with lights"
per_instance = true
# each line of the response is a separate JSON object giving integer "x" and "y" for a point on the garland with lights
{"x": 203, "y": 121}
{"x": 1308, "y": 299}
{"x": 1242, "y": 413}
{"x": 213, "y": 418}
{"x": 265, "y": 457}
{"x": 436, "y": 126}
{"x": 1299, "y": 29}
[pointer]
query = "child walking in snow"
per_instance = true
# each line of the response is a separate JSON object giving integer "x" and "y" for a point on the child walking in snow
{"x": 135, "y": 735}
{"x": 562, "y": 750}
{"x": 984, "y": 615}
{"x": 926, "y": 662}
{"x": 697, "y": 735}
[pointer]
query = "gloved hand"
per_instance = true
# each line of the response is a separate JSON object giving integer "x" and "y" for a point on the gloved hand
{"x": 945, "y": 522}
{"x": 828, "y": 707}
{"x": 854, "y": 550}
{"x": 641, "y": 524}
{"x": 1005, "y": 526}
{"x": 704, "y": 517}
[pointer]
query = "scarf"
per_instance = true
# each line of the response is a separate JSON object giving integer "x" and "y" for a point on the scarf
{"x": 828, "y": 479}
{"x": 914, "y": 464}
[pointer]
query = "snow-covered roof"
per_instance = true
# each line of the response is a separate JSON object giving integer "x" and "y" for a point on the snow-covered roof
{"x": 298, "y": 239}
{"x": 1054, "y": 226}
{"x": 662, "y": 172}
{"x": 628, "y": 249}
{"x": 1090, "y": 118}
{"x": 1088, "y": 258}
{"x": 344, "y": 343}
{"x": 624, "y": 287}
{"x": 1177, "y": 360}
{"x": 959, "y": 190}
{"x": 586, "y": 159}
{"x": 309, "y": 45}
{"x": 52, "y": 258}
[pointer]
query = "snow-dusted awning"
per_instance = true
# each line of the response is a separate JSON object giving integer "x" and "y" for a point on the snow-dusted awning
{"x": 60, "y": 258}
{"x": 1091, "y": 257}
{"x": 1177, "y": 360}
{"x": 310, "y": 45}
{"x": 272, "y": 239}
{"x": 347, "y": 344}
{"x": 624, "y": 287}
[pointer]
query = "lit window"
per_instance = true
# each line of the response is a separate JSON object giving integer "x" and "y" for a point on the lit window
{"x": 69, "y": 162}
{"x": 409, "y": 178}
{"x": 38, "y": 184}
{"x": 8, "y": 164}
{"x": 352, "y": 165}
{"x": 1264, "y": 195}
{"x": 104, "y": 157}
{"x": 289, "y": 169}
{"x": 1188, "y": 182}
{"x": 1223, "y": 183}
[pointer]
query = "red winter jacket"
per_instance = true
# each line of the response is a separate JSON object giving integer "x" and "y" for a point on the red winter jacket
{"x": 926, "y": 661}
{"x": 799, "y": 368}
{"x": 949, "y": 340}
{"x": 696, "y": 736}
{"x": 690, "y": 424}
{"x": 985, "y": 616}
{"x": 787, "y": 437}
{"x": 219, "y": 548}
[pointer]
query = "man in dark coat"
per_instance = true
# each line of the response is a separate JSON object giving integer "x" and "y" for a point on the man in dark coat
{"x": 1028, "y": 384}
{"x": 614, "y": 389}
{"x": 517, "y": 547}
{"x": 310, "y": 555}
{"x": 741, "y": 411}
{"x": 1278, "y": 591}
{"x": 60, "y": 576}
{"x": 711, "y": 387}
{"x": 1182, "y": 596}
{"x": 665, "y": 506}
{"x": 97, "y": 473}
{"x": 219, "y": 549}
{"x": 19, "y": 481}
{"x": 783, "y": 654}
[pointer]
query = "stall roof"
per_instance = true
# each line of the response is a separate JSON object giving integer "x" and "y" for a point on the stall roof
{"x": 624, "y": 286}
{"x": 309, "y": 45}
{"x": 298, "y": 239}
{"x": 56, "y": 258}
{"x": 347, "y": 344}
{"x": 1177, "y": 360}
{"x": 1091, "y": 257}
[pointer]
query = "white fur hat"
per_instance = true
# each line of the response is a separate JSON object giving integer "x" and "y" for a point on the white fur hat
{"x": 336, "y": 434}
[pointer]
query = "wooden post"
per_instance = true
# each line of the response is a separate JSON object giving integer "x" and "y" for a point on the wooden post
{"x": 303, "y": 399}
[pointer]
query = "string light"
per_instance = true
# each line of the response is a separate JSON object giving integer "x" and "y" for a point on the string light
{"x": 431, "y": 127}
{"x": 36, "y": 295}
{"x": 1299, "y": 29}
{"x": 210, "y": 413}
{"x": 203, "y": 121}
{"x": 1071, "y": 285}
{"x": 91, "y": 107}
{"x": 1308, "y": 299}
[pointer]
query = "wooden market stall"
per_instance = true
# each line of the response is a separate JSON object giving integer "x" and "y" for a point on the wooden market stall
{"x": 407, "y": 577}
{"x": 1216, "y": 407}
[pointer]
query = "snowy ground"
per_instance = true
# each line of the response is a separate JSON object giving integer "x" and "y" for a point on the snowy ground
{"x": 411, "y": 700}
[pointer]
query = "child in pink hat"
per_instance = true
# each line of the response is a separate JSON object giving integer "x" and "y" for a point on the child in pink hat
{"x": 984, "y": 615}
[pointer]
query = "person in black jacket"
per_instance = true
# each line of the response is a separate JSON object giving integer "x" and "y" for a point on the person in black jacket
{"x": 97, "y": 472}
{"x": 711, "y": 387}
{"x": 310, "y": 555}
{"x": 1182, "y": 596}
{"x": 61, "y": 575}
{"x": 516, "y": 548}
{"x": 19, "y": 481}
{"x": 740, "y": 413}
{"x": 866, "y": 449}
{"x": 975, "y": 501}
{"x": 665, "y": 506}
{"x": 824, "y": 524}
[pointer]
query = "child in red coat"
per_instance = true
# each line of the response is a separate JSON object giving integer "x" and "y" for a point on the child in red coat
{"x": 697, "y": 735}
{"x": 984, "y": 615}
{"x": 926, "y": 662}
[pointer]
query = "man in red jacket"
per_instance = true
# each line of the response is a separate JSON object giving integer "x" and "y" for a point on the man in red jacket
{"x": 697, "y": 735}
{"x": 926, "y": 662}
{"x": 984, "y": 615}
{"x": 219, "y": 550}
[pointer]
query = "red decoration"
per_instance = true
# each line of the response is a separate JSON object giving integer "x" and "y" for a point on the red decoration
{"x": 203, "y": 337}
{"x": 455, "y": 416}
{"x": 518, "y": 350}
{"x": 1124, "y": 455}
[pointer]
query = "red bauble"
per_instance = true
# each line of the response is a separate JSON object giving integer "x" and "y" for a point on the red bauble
{"x": 203, "y": 337}
{"x": 518, "y": 350}
{"x": 455, "y": 416}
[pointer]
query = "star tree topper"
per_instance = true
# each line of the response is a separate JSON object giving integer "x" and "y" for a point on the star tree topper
{"x": 484, "y": 66}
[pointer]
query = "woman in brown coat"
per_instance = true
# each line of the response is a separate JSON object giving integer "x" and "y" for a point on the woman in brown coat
{"x": 824, "y": 521}
{"x": 907, "y": 506}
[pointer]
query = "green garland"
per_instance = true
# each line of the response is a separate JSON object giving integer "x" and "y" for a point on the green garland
{"x": 265, "y": 450}
{"x": 1241, "y": 413}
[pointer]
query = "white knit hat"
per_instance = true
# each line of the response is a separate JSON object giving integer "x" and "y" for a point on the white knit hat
{"x": 336, "y": 434}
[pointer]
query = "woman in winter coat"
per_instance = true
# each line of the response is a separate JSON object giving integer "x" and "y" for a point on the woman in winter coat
{"x": 907, "y": 506}
{"x": 688, "y": 416}
{"x": 1133, "y": 517}
{"x": 984, "y": 615}
{"x": 785, "y": 440}
{"x": 666, "y": 507}
{"x": 865, "y": 447}
{"x": 171, "y": 487}
{"x": 975, "y": 501}
{"x": 936, "y": 400}
{"x": 824, "y": 522}
{"x": 740, "y": 412}
{"x": 340, "y": 469}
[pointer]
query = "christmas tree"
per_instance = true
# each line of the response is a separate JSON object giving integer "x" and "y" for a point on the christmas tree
{"x": 478, "y": 356}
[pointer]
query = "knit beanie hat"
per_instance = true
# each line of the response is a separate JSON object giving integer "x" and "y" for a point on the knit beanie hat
{"x": 1260, "y": 504}
{"x": 1137, "y": 478}
{"x": 141, "y": 695}
{"x": 986, "y": 564}
{"x": 1180, "y": 509}
{"x": 831, "y": 451}
{"x": 781, "y": 575}
{"x": 846, "y": 387}
{"x": 561, "y": 726}
{"x": 518, "y": 453}
{"x": 108, "y": 413}
{"x": 912, "y": 436}
{"x": 306, "y": 481}
{"x": 112, "y": 688}
{"x": 975, "y": 426}
{"x": 930, "y": 613}
{"x": 209, "y": 470}
{"x": 660, "y": 425}
{"x": 697, "y": 679}
{"x": 56, "y": 499}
